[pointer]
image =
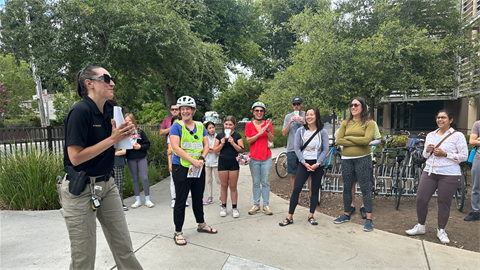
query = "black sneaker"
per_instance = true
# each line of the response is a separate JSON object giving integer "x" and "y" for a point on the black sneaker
{"x": 472, "y": 216}
{"x": 125, "y": 208}
{"x": 352, "y": 210}
{"x": 363, "y": 213}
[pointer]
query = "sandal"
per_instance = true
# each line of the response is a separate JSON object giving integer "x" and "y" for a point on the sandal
{"x": 201, "y": 228}
{"x": 312, "y": 221}
{"x": 286, "y": 222}
{"x": 176, "y": 238}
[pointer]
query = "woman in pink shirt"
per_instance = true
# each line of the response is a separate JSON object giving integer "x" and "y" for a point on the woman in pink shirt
{"x": 445, "y": 149}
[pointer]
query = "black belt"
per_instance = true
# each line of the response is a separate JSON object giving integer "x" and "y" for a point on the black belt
{"x": 103, "y": 178}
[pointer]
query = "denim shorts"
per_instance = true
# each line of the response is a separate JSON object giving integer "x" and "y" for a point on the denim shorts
{"x": 292, "y": 162}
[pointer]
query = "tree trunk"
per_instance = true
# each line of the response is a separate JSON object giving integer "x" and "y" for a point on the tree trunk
{"x": 170, "y": 98}
{"x": 372, "y": 108}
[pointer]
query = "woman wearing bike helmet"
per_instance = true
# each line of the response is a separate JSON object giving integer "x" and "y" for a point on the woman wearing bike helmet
{"x": 190, "y": 147}
{"x": 445, "y": 149}
{"x": 258, "y": 133}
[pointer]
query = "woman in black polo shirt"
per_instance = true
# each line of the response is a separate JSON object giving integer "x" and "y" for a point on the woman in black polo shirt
{"x": 90, "y": 134}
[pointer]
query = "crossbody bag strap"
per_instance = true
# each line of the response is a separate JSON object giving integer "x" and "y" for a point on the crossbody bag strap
{"x": 438, "y": 145}
{"x": 309, "y": 140}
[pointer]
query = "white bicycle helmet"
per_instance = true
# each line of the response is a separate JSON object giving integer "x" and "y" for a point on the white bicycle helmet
{"x": 186, "y": 101}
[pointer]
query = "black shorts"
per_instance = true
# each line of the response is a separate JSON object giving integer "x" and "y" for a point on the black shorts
{"x": 228, "y": 164}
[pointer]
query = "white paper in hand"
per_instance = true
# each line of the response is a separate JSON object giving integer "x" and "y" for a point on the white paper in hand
{"x": 118, "y": 117}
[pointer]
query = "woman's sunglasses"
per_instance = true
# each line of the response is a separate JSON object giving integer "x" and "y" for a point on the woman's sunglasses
{"x": 194, "y": 135}
{"x": 105, "y": 77}
{"x": 355, "y": 105}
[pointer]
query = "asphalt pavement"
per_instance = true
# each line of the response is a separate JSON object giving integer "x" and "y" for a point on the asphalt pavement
{"x": 39, "y": 240}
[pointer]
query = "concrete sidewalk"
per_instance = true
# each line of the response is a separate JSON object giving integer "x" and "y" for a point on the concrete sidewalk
{"x": 39, "y": 240}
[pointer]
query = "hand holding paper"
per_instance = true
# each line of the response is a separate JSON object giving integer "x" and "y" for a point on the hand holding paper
{"x": 118, "y": 117}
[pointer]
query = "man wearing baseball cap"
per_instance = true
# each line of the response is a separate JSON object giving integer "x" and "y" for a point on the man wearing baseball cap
{"x": 292, "y": 122}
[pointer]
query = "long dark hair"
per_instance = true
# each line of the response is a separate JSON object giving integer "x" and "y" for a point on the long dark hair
{"x": 82, "y": 75}
{"x": 174, "y": 118}
{"x": 449, "y": 115}
{"x": 364, "y": 114}
{"x": 318, "y": 119}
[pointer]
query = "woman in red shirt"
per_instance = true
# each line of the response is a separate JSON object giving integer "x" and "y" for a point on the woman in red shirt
{"x": 258, "y": 133}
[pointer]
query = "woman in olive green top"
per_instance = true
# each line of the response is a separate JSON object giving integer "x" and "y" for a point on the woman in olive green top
{"x": 354, "y": 135}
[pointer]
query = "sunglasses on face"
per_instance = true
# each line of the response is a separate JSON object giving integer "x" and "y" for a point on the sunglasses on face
{"x": 356, "y": 105}
{"x": 296, "y": 104}
{"x": 194, "y": 135}
{"x": 258, "y": 110}
{"x": 105, "y": 77}
{"x": 442, "y": 117}
{"x": 175, "y": 109}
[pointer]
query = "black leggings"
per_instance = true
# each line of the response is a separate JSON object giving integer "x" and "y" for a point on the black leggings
{"x": 182, "y": 186}
{"x": 300, "y": 178}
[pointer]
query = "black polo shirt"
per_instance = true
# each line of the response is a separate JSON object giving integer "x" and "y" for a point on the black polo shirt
{"x": 85, "y": 126}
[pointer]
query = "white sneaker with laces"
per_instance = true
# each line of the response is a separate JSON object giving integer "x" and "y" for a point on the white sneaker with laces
{"x": 172, "y": 204}
{"x": 442, "y": 235}
{"x": 418, "y": 229}
{"x": 235, "y": 213}
{"x": 223, "y": 211}
{"x": 149, "y": 204}
{"x": 136, "y": 204}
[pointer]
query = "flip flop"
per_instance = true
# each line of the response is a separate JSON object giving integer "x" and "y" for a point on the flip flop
{"x": 312, "y": 221}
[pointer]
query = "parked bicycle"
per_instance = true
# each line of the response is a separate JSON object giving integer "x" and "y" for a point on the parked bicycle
{"x": 462, "y": 188}
{"x": 281, "y": 165}
{"x": 333, "y": 163}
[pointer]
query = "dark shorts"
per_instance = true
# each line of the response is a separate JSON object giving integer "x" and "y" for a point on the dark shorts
{"x": 228, "y": 164}
{"x": 292, "y": 162}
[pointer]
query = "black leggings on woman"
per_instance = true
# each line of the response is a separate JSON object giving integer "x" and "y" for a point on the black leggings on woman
{"x": 300, "y": 178}
{"x": 182, "y": 186}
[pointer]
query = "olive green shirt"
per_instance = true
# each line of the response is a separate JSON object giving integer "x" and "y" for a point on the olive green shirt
{"x": 355, "y": 137}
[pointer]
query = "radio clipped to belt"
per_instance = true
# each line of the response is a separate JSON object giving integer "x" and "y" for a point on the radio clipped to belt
{"x": 95, "y": 198}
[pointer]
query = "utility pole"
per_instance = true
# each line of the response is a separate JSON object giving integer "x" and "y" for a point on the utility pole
{"x": 36, "y": 78}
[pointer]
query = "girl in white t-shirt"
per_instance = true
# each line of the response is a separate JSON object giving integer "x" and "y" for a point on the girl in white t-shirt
{"x": 211, "y": 163}
{"x": 311, "y": 155}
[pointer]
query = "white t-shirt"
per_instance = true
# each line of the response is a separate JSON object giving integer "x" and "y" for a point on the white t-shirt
{"x": 310, "y": 152}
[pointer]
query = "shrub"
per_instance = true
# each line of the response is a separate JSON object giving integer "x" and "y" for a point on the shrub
{"x": 25, "y": 121}
{"x": 28, "y": 181}
{"x": 157, "y": 154}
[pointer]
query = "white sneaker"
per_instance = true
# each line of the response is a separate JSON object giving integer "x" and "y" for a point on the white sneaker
{"x": 149, "y": 204}
{"x": 223, "y": 211}
{"x": 418, "y": 229}
{"x": 235, "y": 213}
{"x": 136, "y": 204}
{"x": 186, "y": 204}
{"x": 442, "y": 235}
{"x": 172, "y": 204}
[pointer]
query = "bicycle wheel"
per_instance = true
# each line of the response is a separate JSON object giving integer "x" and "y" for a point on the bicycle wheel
{"x": 320, "y": 190}
{"x": 281, "y": 165}
{"x": 460, "y": 193}
{"x": 398, "y": 188}
{"x": 416, "y": 179}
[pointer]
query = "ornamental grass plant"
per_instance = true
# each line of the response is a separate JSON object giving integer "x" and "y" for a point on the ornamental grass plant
{"x": 28, "y": 181}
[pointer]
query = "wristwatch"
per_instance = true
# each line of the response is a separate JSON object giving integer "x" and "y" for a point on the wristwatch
{"x": 201, "y": 158}
{"x": 318, "y": 164}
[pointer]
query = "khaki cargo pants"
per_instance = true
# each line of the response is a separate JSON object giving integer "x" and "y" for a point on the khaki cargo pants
{"x": 81, "y": 225}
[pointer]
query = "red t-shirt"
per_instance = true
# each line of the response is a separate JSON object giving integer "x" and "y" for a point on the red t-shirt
{"x": 259, "y": 149}
{"x": 166, "y": 124}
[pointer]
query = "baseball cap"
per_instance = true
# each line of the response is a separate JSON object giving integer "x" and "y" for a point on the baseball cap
{"x": 297, "y": 100}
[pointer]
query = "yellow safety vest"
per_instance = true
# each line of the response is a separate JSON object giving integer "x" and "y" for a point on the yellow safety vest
{"x": 188, "y": 143}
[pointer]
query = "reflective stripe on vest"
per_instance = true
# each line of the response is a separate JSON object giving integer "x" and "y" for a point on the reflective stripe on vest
{"x": 192, "y": 147}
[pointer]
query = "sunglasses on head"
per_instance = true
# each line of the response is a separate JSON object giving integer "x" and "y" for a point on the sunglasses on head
{"x": 105, "y": 77}
{"x": 194, "y": 135}
{"x": 355, "y": 105}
